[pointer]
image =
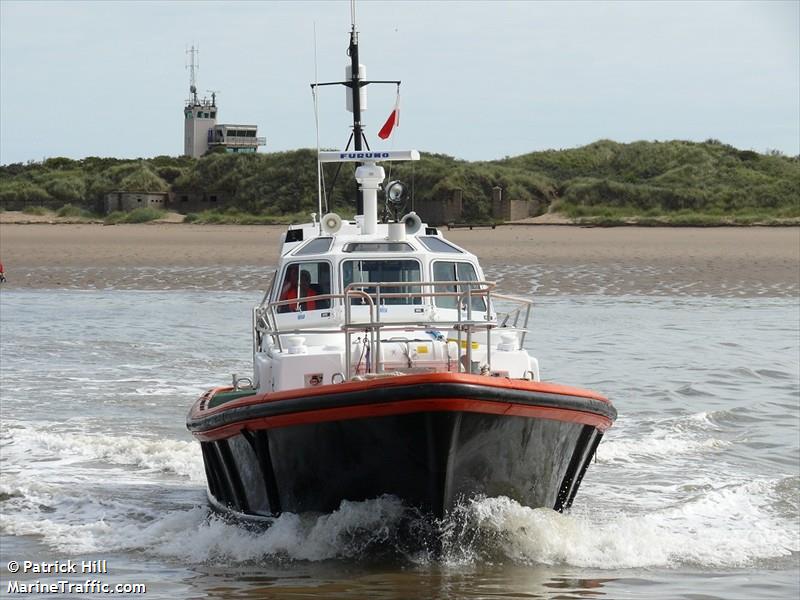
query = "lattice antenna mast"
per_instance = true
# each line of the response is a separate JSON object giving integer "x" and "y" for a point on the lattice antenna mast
{"x": 193, "y": 65}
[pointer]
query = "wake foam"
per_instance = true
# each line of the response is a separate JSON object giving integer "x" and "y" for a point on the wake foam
{"x": 355, "y": 530}
{"x": 181, "y": 458}
{"x": 734, "y": 526}
{"x": 127, "y": 493}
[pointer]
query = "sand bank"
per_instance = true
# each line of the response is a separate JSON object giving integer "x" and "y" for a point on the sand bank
{"x": 544, "y": 259}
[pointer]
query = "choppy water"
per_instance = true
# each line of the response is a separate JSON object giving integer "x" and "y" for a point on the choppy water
{"x": 695, "y": 493}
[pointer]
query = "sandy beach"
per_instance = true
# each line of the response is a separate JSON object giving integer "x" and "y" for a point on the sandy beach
{"x": 721, "y": 261}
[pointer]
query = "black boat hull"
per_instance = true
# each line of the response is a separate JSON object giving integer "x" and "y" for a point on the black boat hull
{"x": 431, "y": 451}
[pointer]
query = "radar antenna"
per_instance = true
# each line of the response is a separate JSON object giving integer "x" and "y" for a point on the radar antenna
{"x": 193, "y": 65}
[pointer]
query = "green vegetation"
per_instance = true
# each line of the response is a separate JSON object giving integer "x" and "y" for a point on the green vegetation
{"x": 35, "y": 210}
{"x": 70, "y": 210}
{"x": 237, "y": 217}
{"x": 676, "y": 182}
{"x": 84, "y": 183}
{"x": 604, "y": 183}
{"x": 143, "y": 179}
{"x": 137, "y": 215}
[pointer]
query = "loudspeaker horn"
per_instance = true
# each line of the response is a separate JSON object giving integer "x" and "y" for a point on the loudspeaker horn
{"x": 331, "y": 223}
{"x": 412, "y": 222}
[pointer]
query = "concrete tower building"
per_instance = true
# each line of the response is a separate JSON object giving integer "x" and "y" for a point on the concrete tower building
{"x": 200, "y": 116}
{"x": 200, "y": 129}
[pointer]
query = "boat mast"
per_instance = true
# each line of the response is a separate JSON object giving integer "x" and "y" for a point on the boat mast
{"x": 355, "y": 89}
{"x": 354, "y": 83}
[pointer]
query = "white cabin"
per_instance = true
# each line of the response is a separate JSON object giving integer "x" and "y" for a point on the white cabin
{"x": 363, "y": 299}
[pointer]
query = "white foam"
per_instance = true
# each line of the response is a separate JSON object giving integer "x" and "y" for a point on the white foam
{"x": 195, "y": 536}
{"x": 343, "y": 533}
{"x": 182, "y": 458}
{"x": 655, "y": 446}
{"x": 709, "y": 525}
{"x": 653, "y": 442}
{"x": 729, "y": 527}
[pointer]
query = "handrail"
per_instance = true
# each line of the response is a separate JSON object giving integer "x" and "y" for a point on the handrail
{"x": 525, "y": 303}
{"x": 374, "y": 295}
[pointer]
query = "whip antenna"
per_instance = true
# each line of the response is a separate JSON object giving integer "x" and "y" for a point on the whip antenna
{"x": 316, "y": 123}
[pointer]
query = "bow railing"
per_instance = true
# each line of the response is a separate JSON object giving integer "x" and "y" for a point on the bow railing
{"x": 470, "y": 309}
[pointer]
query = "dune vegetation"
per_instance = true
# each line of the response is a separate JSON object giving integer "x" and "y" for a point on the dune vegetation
{"x": 605, "y": 183}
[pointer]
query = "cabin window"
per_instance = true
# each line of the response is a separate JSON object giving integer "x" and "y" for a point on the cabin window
{"x": 378, "y": 247}
{"x": 315, "y": 246}
{"x": 392, "y": 271}
{"x": 445, "y": 270}
{"x": 435, "y": 244}
{"x": 294, "y": 235}
{"x": 305, "y": 280}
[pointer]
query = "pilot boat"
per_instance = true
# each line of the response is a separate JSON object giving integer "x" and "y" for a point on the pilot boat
{"x": 385, "y": 363}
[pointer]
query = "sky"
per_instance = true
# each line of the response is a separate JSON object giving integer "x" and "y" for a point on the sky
{"x": 481, "y": 80}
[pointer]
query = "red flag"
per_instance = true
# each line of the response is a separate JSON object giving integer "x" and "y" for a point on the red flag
{"x": 392, "y": 122}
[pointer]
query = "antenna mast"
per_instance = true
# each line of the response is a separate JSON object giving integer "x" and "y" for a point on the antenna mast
{"x": 193, "y": 66}
{"x": 354, "y": 82}
{"x": 355, "y": 91}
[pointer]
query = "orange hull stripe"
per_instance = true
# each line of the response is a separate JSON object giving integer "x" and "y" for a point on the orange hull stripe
{"x": 405, "y": 407}
{"x": 389, "y": 382}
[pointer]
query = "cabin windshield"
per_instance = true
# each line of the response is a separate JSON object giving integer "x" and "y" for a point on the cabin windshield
{"x": 305, "y": 280}
{"x": 375, "y": 271}
{"x": 446, "y": 270}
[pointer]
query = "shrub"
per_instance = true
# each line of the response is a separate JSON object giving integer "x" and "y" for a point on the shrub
{"x": 23, "y": 193}
{"x": 70, "y": 210}
{"x": 143, "y": 180}
{"x": 35, "y": 210}
{"x": 66, "y": 187}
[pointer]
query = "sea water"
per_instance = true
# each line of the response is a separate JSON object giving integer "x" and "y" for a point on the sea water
{"x": 694, "y": 492}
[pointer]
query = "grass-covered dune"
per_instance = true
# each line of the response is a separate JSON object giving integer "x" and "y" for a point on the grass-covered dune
{"x": 675, "y": 182}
